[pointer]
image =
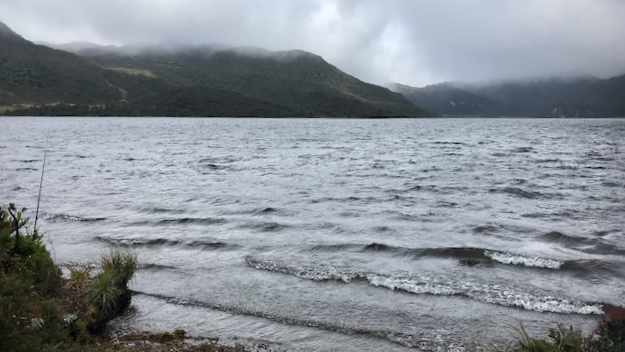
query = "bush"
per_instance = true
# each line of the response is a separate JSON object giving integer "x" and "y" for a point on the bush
{"x": 610, "y": 337}
{"x": 121, "y": 265}
{"x": 30, "y": 286}
{"x": 39, "y": 310}
{"x": 109, "y": 293}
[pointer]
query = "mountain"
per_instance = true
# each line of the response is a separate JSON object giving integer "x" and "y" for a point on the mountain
{"x": 202, "y": 81}
{"x": 33, "y": 74}
{"x": 78, "y": 47}
{"x": 295, "y": 80}
{"x": 7, "y": 33}
{"x": 446, "y": 99}
{"x": 558, "y": 97}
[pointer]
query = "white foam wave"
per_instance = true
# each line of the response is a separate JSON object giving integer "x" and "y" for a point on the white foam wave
{"x": 509, "y": 296}
{"x": 516, "y": 259}
{"x": 494, "y": 294}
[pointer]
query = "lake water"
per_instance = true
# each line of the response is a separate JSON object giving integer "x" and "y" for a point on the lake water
{"x": 350, "y": 235}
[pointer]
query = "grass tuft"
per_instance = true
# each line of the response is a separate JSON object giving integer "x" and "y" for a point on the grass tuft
{"x": 109, "y": 293}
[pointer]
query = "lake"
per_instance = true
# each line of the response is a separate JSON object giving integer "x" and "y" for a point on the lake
{"x": 337, "y": 234}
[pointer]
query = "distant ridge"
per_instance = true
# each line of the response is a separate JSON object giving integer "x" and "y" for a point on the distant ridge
{"x": 196, "y": 81}
{"x": 556, "y": 97}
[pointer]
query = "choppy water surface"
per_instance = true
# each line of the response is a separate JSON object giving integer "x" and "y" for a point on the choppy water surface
{"x": 346, "y": 235}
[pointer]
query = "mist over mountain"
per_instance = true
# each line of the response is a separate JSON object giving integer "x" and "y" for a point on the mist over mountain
{"x": 218, "y": 80}
{"x": 33, "y": 74}
{"x": 294, "y": 79}
{"x": 416, "y": 42}
{"x": 183, "y": 81}
{"x": 553, "y": 97}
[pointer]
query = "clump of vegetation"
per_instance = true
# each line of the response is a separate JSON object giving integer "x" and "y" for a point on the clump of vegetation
{"x": 30, "y": 288}
{"x": 41, "y": 311}
{"x": 109, "y": 293}
{"x": 609, "y": 337}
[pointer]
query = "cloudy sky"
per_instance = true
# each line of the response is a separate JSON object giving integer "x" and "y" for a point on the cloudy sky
{"x": 410, "y": 41}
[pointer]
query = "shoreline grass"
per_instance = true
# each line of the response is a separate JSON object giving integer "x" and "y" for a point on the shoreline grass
{"x": 40, "y": 310}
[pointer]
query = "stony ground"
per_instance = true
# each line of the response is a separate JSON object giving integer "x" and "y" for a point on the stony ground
{"x": 166, "y": 342}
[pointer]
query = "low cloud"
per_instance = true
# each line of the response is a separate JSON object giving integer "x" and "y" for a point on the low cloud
{"x": 412, "y": 41}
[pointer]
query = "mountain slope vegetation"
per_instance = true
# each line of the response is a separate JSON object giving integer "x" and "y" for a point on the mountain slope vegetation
{"x": 202, "y": 81}
{"x": 295, "y": 80}
{"x": 33, "y": 74}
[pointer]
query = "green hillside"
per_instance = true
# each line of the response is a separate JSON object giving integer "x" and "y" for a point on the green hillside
{"x": 33, "y": 74}
{"x": 39, "y": 80}
{"x": 296, "y": 80}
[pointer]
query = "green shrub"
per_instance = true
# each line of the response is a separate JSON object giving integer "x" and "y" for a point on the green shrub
{"x": 30, "y": 288}
{"x": 46, "y": 276}
{"x": 122, "y": 265}
{"x": 15, "y": 313}
{"x": 610, "y": 337}
{"x": 39, "y": 310}
{"x": 109, "y": 293}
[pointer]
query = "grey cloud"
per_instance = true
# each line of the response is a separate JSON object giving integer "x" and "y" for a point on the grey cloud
{"x": 411, "y": 41}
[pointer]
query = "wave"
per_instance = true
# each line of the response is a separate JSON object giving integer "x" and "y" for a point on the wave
{"x": 434, "y": 285}
{"x": 567, "y": 214}
{"x": 583, "y": 244}
{"x": 198, "y": 221}
{"x": 79, "y": 156}
{"x": 264, "y": 226}
{"x": 421, "y": 341}
{"x": 211, "y": 245}
{"x": 594, "y": 267}
{"x": 158, "y": 210}
{"x": 382, "y": 229}
{"x": 265, "y": 211}
{"x": 521, "y": 193}
{"x": 412, "y": 188}
{"x": 470, "y": 255}
{"x": 260, "y": 211}
{"x": 164, "y": 242}
{"x": 546, "y": 161}
{"x": 137, "y": 242}
{"x": 522, "y": 150}
{"x": 220, "y": 163}
{"x": 26, "y": 169}
{"x": 448, "y": 143}
{"x": 348, "y": 199}
{"x": 155, "y": 267}
{"x": 335, "y": 247}
{"x": 179, "y": 221}
{"x": 446, "y": 204}
{"x": 212, "y": 166}
{"x": 73, "y": 218}
{"x": 555, "y": 236}
{"x": 516, "y": 259}
{"x": 485, "y": 229}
